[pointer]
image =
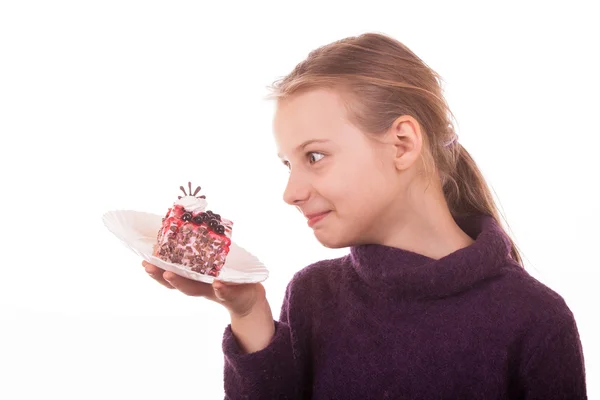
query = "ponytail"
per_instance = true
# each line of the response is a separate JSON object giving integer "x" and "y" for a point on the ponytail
{"x": 467, "y": 193}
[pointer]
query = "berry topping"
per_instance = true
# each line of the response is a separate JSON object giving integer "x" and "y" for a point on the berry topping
{"x": 220, "y": 229}
{"x": 213, "y": 223}
{"x": 198, "y": 219}
{"x": 217, "y": 216}
{"x": 186, "y": 217}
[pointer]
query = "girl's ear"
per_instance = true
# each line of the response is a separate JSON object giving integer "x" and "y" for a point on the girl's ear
{"x": 407, "y": 138}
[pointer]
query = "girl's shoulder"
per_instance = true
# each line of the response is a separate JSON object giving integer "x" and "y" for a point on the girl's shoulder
{"x": 533, "y": 302}
{"x": 323, "y": 275}
{"x": 321, "y": 270}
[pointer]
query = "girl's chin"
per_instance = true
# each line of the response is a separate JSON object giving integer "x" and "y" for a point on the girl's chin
{"x": 331, "y": 242}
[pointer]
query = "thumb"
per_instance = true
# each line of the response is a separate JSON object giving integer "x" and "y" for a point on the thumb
{"x": 221, "y": 290}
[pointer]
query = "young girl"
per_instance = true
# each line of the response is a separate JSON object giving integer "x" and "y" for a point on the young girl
{"x": 432, "y": 302}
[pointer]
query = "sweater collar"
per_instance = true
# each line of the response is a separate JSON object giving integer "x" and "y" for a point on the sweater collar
{"x": 414, "y": 275}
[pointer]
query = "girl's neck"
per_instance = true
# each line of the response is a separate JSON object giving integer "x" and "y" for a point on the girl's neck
{"x": 427, "y": 226}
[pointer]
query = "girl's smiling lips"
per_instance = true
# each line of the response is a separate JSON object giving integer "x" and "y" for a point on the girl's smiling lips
{"x": 315, "y": 217}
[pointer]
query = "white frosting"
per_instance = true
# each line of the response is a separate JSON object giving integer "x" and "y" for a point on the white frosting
{"x": 192, "y": 204}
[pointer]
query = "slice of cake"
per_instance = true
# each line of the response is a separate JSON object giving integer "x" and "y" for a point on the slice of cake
{"x": 192, "y": 236}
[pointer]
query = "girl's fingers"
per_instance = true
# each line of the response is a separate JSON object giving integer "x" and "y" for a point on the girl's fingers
{"x": 156, "y": 274}
{"x": 237, "y": 298}
{"x": 184, "y": 285}
{"x": 188, "y": 286}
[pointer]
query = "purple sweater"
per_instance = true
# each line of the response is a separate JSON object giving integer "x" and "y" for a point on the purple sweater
{"x": 385, "y": 323}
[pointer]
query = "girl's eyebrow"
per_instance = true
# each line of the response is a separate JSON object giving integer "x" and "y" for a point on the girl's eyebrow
{"x": 311, "y": 141}
{"x": 306, "y": 143}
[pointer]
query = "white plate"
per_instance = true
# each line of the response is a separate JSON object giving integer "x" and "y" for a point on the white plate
{"x": 138, "y": 230}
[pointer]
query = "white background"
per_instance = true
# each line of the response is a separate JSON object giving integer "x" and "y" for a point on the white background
{"x": 114, "y": 104}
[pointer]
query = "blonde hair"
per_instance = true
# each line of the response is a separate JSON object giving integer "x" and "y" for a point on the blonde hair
{"x": 381, "y": 79}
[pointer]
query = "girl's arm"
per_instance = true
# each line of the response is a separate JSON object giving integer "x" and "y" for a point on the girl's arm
{"x": 253, "y": 332}
{"x": 555, "y": 367}
{"x": 267, "y": 359}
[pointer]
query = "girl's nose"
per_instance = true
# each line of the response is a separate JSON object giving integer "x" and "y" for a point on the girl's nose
{"x": 297, "y": 190}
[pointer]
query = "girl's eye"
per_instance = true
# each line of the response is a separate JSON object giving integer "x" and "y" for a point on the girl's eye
{"x": 314, "y": 156}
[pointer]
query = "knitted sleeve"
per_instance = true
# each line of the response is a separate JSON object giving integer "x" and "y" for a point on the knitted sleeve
{"x": 555, "y": 368}
{"x": 279, "y": 371}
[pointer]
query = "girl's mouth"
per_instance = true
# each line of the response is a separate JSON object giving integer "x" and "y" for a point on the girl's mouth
{"x": 314, "y": 218}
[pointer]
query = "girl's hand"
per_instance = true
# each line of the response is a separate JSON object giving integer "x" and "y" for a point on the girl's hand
{"x": 239, "y": 299}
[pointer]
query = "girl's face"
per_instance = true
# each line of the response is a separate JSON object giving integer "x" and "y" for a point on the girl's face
{"x": 345, "y": 182}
